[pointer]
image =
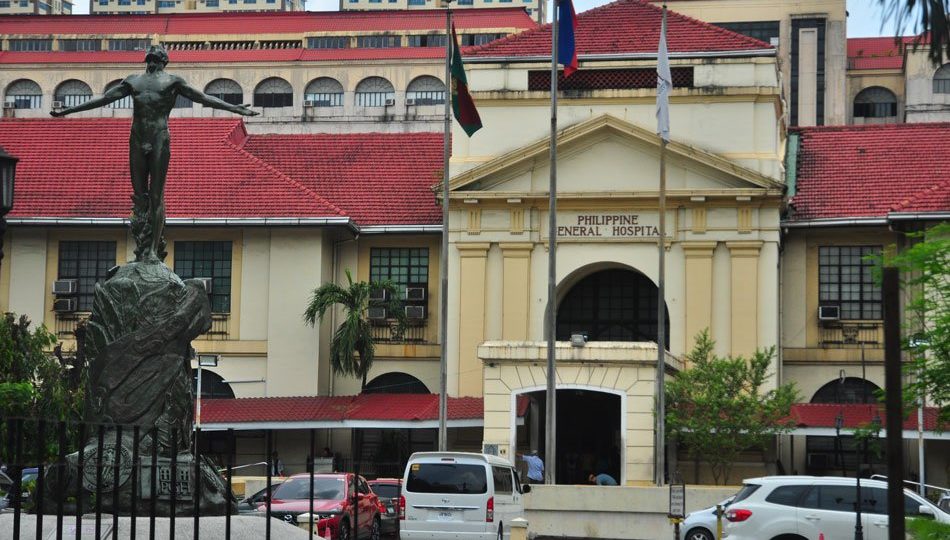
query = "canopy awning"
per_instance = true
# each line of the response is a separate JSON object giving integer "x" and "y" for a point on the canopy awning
{"x": 819, "y": 419}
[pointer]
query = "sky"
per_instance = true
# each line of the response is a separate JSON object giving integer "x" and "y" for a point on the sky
{"x": 864, "y": 16}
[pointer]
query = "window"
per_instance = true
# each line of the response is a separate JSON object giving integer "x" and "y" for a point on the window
{"x": 875, "y": 102}
{"x": 86, "y": 261}
{"x": 447, "y": 478}
{"x": 374, "y": 92}
{"x": 942, "y": 80}
{"x": 24, "y": 94}
{"x": 103, "y": 2}
{"x": 465, "y": 2}
{"x": 845, "y": 279}
{"x": 324, "y": 92}
{"x": 129, "y": 44}
{"x": 72, "y": 93}
{"x": 427, "y": 40}
{"x": 832, "y": 498}
{"x": 212, "y": 385}
{"x": 4, "y": 3}
{"x": 124, "y": 103}
{"x": 405, "y": 267}
{"x": 787, "y": 495}
{"x": 482, "y": 39}
{"x": 426, "y": 90}
{"x": 125, "y": 2}
{"x": 274, "y": 92}
{"x": 166, "y": 3}
{"x": 208, "y": 260}
{"x": 609, "y": 79}
{"x": 328, "y": 42}
{"x": 850, "y": 390}
{"x": 31, "y": 45}
{"x": 226, "y": 90}
{"x": 745, "y": 492}
{"x": 80, "y": 44}
{"x": 417, "y": 2}
{"x": 502, "y": 477}
{"x": 212, "y": 3}
{"x": 760, "y": 30}
{"x": 378, "y": 42}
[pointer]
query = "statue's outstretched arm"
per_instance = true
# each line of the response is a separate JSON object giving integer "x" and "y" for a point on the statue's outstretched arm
{"x": 210, "y": 101}
{"x": 115, "y": 93}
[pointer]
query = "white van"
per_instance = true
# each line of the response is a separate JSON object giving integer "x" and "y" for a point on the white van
{"x": 458, "y": 495}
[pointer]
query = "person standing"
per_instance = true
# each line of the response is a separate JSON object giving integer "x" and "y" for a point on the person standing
{"x": 535, "y": 467}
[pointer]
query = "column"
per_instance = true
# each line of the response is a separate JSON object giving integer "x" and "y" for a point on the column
{"x": 699, "y": 272}
{"x": 744, "y": 257}
{"x": 471, "y": 331}
{"x": 515, "y": 285}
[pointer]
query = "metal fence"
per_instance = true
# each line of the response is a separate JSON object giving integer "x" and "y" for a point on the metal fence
{"x": 97, "y": 472}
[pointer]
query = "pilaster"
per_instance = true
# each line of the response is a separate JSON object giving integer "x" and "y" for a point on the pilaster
{"x": 699, "y": 270}
{"x": 471, "y": 331}
{"x": 515, "y": 285}
{"x": 744, "y": 257}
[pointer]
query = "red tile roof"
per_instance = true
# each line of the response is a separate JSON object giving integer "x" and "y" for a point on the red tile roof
{"x": 78, "y": 168}
{"x": 855, "y": 416}
{"x": 274, "y": 22}
{"x": 877, "y": 52}
{"x": 376, "y": 178}
{"x": 624, "y": 27}
{"x": 381, "y": 407}
{"x": 223, "y": 56}
{"x": 871, "y": 171}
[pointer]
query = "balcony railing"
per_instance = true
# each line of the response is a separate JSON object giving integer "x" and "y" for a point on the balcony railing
{"x": 851, "y": 333}
{"x": 386, "y": 333}
{"x": 220, "y": 324}
{"x": 66, "y": 324}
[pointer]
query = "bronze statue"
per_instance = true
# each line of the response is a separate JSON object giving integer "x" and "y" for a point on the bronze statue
{"x": 153, "y": 96}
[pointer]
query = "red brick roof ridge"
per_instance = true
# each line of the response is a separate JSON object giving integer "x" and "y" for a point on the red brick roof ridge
{"x": 239, "y": 124}
{"x": 916, "y": 197}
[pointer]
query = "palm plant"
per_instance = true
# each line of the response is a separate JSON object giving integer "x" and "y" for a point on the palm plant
{"x": 353, "y": 348}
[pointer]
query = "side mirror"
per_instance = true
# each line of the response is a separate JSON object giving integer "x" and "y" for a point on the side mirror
{"x": 925, "y": 510}
{"x": 526, "y": 488}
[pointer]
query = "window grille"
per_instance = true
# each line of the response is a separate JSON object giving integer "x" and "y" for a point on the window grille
{"x": 942, "y": 80}
{"x": 24, "y": 94}
{"x": 328, "y": 42}
{"x": 426, "y": 90}
{"x": 207, "y": 260}
{"x": 80, "y": 45}
{"x": 72, "y": 93}
{"x": 426, "y": 40}
{"x": 846, "y": 279}
{"x": 226, "y": 90}
{"x": 31, "y": 45}
{"x": 274, "y": 92}
{"x": 124, "y": 103}
{"x": 129, "y": 44}
{"x": 325, "y": 92}
{"x": 378, "y": 42}
{"x": 405, "y": 267}
{"x": 609, "y": 79}
{"x": 87, "y": 262}
{"x": 373, "y": 92}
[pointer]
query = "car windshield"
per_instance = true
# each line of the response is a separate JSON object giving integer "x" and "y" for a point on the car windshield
{"x": 386, "y": 491}
{"x": 447, "y": 478}
{"x": 323, "y": 488}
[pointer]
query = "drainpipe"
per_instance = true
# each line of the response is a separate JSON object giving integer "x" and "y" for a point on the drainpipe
{"x": 334, "y": 270}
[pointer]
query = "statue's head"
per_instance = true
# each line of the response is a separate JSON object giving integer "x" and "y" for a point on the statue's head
{"x": 156, "y": 55}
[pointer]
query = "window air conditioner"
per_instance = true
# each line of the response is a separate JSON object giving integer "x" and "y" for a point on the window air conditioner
{"x": 64, "y": 286}
{"x": 415, "y": 312}
{"x": 829, "y": 313}
{"x": 9, "y": 105}
{"x": 376, "y": 313}
{"x": 65, "y": 305}
{"x": 378, "y": 295}
{"x": 309, "y": 103}
{"x": 207, "y": 282}
{"x": 57, "y": 104}
{"x": 410, "y": 101}
{"x": 415, "y": 294}
{"x": 390, "y": 102}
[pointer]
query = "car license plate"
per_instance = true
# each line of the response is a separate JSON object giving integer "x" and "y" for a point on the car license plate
{"x": 445, "y": 516}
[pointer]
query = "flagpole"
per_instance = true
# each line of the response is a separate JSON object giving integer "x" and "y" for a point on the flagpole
{"x": 663, "y": 129}
{"x": 551, "y": 395}
{"x": 444, "y": 252}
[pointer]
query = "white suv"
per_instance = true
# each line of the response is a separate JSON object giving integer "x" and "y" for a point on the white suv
{"x": 816, "y": 507}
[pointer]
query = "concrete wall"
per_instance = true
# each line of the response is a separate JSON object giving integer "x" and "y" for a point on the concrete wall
{"x": 922, "y": 104}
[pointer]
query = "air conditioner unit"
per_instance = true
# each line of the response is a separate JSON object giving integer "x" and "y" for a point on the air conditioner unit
{"x": 490, "y": 448}
{"x": 415, "y": 294}
{"x": 390, "y": 102}
{"x": 65, "y": 305}
{"x": 818, "y": 461}
{"x": 376, "y": 313}
{"x": 378, "y": 295}
{"x": 410, "y": 101}
{"x": 65, "y": 286}
{"x": 207, "y": 282}
{"x": 829, "y": 313}
{"x": 309, "y": 103}
{"x": 57, "y": 104}
{"x": 9, "y": 105}
{"x": 415, "y": 312}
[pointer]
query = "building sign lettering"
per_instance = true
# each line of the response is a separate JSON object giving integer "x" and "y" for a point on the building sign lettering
{"x": 630, "y": 226}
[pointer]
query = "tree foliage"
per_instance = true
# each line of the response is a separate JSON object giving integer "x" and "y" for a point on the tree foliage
{"x": 718, "y": 407}
{"x": 925, "y": 280}
{"x": 929, "y": 21}
{"x": 353, "y": 348}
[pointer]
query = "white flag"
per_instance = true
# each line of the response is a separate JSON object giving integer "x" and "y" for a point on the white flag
{"x": 664, "y": 82}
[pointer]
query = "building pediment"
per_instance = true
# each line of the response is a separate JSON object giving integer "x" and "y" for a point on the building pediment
{"x": 607, "y": 156}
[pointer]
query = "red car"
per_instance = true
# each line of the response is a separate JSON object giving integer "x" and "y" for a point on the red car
{"x": 388, "y": 490}
{"x": 335, "y": 501}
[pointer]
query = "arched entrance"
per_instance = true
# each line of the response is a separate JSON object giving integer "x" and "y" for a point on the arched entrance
{"x": 841, "y": 455}
{"x": 615, "y": 304}
{"x": 212, "y": 385}
{"x": 395, "y": 383}
{"x": 385, "y": 451}
{"x": 590, "y": 432}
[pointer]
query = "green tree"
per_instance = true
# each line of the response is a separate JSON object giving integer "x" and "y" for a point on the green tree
{"x": 717, "y": 407}
{"x": 352, "y": 348}
{"x": 925, "y": 279}
{"x": 930, "y": 21}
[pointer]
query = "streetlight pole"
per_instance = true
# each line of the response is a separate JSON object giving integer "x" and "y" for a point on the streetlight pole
{"x": 7, "y": 177}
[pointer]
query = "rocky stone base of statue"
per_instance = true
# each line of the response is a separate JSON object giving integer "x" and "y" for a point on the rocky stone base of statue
{"x": 138, "y": 343}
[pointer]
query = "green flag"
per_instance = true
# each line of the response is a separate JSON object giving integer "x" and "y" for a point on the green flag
{"x": 462, "y": 104}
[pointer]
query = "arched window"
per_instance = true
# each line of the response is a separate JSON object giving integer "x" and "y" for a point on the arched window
{"x": 849, "y": 390}
{"x": 426, "y": 90}
{"x": 611, "y": 305}
{"x": 374, "y": 92}
{"x": 72, "y": 92}
{"x": 875, "y": 102}
{"x": 274, "y": 92}
{"x": 395, "y": 383}
{"x": 226, "y": 90}
{"x": 24, "y": 94}
{"x": 324, "y": 92}
{"x": 212, "y": 385}
{"x": 942, "y": 80}
{"x": 124, "y": 103}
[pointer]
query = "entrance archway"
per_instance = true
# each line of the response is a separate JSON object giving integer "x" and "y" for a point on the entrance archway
{"x": 615, "y": 304}
{"x": 395, "y": 383}
{"x": 841, "y": 455}
{"x": 590, "y": 433}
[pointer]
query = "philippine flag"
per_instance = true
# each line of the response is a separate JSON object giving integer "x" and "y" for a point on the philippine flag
{"x": 567, "y": 24}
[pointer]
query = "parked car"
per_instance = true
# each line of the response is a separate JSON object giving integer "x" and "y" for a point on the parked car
{"x": 5, "y": 486}
{"x": 943, "y": 502}
{"x": 809, "y": 507}
{"x": 701, "y": 524}
{"x": 249, "y": 504}
{"x": 454, "y": 495}
{"x": 388, "y": 490}
{"x": 337, "y": 503}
